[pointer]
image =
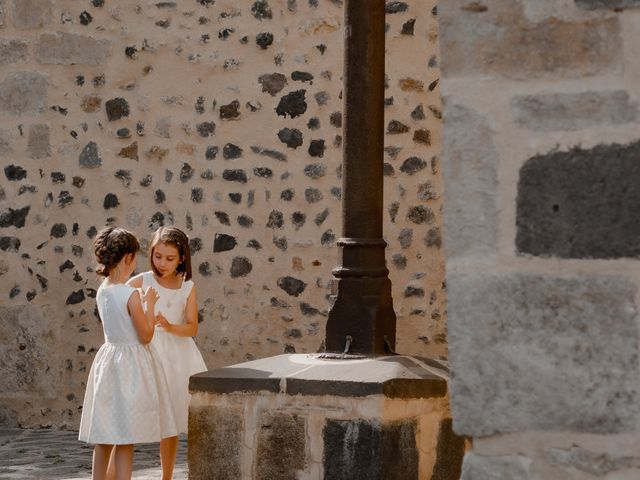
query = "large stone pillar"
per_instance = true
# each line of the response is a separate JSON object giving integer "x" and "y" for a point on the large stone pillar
{"x": 361, "y": 319}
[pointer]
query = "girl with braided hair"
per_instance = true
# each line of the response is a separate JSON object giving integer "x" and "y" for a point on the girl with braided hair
{"x": 176, "y": 325}
{"x": 126, "y": 397}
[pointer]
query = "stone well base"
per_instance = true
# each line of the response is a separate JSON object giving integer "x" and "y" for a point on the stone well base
{"x": 301, "y": 417}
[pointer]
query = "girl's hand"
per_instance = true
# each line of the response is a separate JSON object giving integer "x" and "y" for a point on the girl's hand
{"x": 150, "y": 296}
{"x": 162, "y": 321}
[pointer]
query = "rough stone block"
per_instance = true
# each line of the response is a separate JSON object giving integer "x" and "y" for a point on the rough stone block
{"x": 499, "y": 39}
{"x": 549, "y": 353}
{"x": 215, "y": 442}
{"x": 13, "y": 51}
{"x": 23, "y": 92}
{"x": 38, "y": 145}
{"x": 580, "y": 203}
{"x": 28, "y": 14}
{"x": 366, "y": 450}
{"x": 609, "y": 4}
{"x": 594, "y": 463}
{"x": 70, "y": 49}
{"x": 470, "y": 170}
{"x": 281, "y": 446}
{"x": 477, "y": 467}
{"x": 573, "y": 111}
{"x": 28, "y": 350}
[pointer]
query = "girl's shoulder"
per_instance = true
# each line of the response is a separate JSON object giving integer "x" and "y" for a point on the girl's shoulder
{"x": 188, "y": 286}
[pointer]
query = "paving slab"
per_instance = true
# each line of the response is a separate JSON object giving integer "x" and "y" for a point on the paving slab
{"x": 58, "y": 455}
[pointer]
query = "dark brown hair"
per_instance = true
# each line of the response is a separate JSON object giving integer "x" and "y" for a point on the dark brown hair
{"x": 177, "y": 238}
{"x": 110, "y": 245}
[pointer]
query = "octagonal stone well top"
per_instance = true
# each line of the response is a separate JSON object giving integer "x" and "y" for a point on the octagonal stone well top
{"x": 394, "y": 376}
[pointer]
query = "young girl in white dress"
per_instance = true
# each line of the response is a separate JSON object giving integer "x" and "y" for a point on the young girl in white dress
{"x": 126, "y": 397}
{"x": 177, "y": 324}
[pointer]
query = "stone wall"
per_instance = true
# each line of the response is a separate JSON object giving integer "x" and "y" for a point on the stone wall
{"x": 223, "y": 118}
{"x": 540, "y": 162}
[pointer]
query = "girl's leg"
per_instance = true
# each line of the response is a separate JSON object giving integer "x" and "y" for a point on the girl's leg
{"x": 101, "y": 455}
{"x": 123, "y": 461}
{"x": 111, "y": 470}
{"x": 168, "y": 451}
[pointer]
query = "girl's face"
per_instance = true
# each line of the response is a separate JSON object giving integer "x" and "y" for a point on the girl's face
{"x": 166, "y": 259}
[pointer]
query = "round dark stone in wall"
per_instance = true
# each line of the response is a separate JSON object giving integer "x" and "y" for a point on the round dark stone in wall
{"x": 420, "y": 214}
{"x": 206, "y": 129}
{"x": 263, "y": 172}
{"x": 396, "y": 7}
{"x": 313, "y": 123}
{"x": 264, "y": 40}
{"x": 211, "y": 152}
{"x": 281, "y": 243}
{"x": 399, "y": 260}
{"x": 253, "y": 243}
{"x": 197, "y": 195}
{"x": 418, "y": 113}
{"x": 58, "y": 230}
{"x": 396, "y": 127}
{"x": 321, "y": 217}
{"x": 411, "y": 291}
{"x": 291, "y": 285}
{"x": 15, "y": 291}
{"x": 9, "y": 244}
{"x": 186, "y": 172}
{"x": 75, "y": 297}
{"x": 408, "y": 27}
{"x": 230, "y": 111}
{"x": 276, "y": 219}
{"x": 89, "y": 156}
{"x": 316, "y": 148}
{"x": 301, "y": 76}
{"x": 223, "y": 218}
{"x": 315, "y": 170}
{"x": 195, "y": 245}
{"x": 199, "y": 106}
{"x": 240, "y": 267}
{"x": 412, "y": 165}
{"x": 235, "y": 176}
{"x": 292, "y": 137}
{"x": 287, "y": 194}
{"x": 328, "y": 238}
{"x": 85, "y": 18}
{"x": 205, "y": 269}
{"x": 157, "y": 221}
{"x": 15, "y": 173}
{"x": 235, "y": 197}
{"x": 272, "y": 83}
{"x": 292, "y": 104}
{"x": 313, "y": 195}
{"x": 223, "y": 242}
{"x": 245, "y": 221}
{"x": 261, "y": 10}
{"x": 298, "y": 219}
{"x": 117, "y": 108}
{"x": 231, "y": 151}
{"x": 433, "y": 238}
{"x": 336, "y": 119}
{"x": 110, "y": 201}
{"x": 97, "y": 3}
{"x": 58, "y": 177}
{"x": 388, "y": 170}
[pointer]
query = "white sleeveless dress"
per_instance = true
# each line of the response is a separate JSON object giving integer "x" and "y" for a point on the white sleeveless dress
{"x": 126, "y": 397}
{"x": 179, "y": 355}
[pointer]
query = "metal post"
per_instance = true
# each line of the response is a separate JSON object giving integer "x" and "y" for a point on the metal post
{"x": 361, "y": 319}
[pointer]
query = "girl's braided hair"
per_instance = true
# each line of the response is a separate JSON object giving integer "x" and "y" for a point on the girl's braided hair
{"x": 110, "y": 245}
{"x": 177, "y": 238}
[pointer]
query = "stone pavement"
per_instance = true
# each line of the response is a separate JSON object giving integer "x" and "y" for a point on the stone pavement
{"x": 58, "y": 455}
